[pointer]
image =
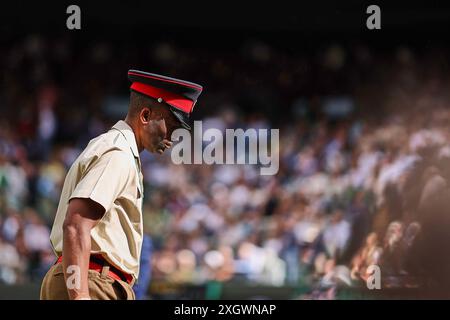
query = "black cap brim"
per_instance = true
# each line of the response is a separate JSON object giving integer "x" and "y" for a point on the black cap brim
{"x": 182, "y": 117}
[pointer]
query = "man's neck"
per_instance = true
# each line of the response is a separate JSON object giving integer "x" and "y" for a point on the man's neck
{"x": 136, "y": 134}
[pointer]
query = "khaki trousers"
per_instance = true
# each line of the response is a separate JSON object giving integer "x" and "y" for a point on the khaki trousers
{"x": 101, "y": 286}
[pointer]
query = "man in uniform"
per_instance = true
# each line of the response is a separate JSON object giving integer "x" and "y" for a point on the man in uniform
{"x": 97, "y": 233}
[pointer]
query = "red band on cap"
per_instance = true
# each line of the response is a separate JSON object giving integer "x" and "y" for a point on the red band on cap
{"x": 170, "y": 98}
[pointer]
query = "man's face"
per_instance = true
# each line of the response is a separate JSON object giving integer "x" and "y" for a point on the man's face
{"x": 157, "y": 127}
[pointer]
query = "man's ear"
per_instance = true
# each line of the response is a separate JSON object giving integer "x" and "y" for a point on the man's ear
{"x": 145, "y": 114}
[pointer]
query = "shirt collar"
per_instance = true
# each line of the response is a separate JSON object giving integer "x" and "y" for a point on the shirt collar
{"x": 127, "y": 131}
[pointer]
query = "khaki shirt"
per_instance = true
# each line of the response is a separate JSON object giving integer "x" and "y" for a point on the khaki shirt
{"x": 108, "y": 171}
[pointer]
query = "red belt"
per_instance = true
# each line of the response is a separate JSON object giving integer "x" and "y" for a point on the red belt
{"x": 97, "y": 262}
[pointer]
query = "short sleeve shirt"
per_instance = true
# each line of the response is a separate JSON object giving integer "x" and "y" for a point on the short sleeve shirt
{"x": 108, "y": 171}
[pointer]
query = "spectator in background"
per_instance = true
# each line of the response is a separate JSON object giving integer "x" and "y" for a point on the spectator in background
{"x": 10, "y": 263}
{"x": 142, "y": 286}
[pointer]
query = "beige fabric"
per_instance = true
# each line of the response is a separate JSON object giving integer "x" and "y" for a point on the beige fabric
{"x": 101, "y": 286}
{"x": 108, "y": 171}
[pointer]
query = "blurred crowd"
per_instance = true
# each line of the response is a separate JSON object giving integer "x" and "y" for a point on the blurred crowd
{"x": 364, "y": 161}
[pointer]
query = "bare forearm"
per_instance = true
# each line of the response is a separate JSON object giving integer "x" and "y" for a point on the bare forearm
{"x": 76, "y": 252}
{"x": 82, "y": 215}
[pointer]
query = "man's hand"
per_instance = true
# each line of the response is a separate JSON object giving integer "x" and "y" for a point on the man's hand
{"x": 82, "y": 215}
{"x": 163, "y": 145}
